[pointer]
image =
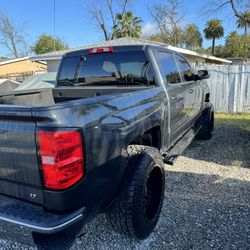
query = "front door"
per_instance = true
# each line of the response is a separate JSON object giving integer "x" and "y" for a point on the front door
{"x": 177, "y": 95}
{"x": 194, "y": 90}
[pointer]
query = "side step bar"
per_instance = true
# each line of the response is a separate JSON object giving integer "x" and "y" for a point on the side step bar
{"x": 180, "y": 146}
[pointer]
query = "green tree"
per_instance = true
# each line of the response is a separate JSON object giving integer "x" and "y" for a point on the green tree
{"x": 233, "y": 44}
{"x": 127, "y": 25}
{"x": 156, "y": 38}
{"x": 221, "y": 51}
{"x": 192, "y": 37}
{"x": 213, "y": 30}
{"x": 237, "y": 45}
{"x": 245, "y": 46}
{"x": 47, "y": 43}
{"x": 244, "y": 22}
{"x": 203, "y": 51}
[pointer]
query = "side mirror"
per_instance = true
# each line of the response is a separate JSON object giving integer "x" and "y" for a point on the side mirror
{"x": 202, "y": 74}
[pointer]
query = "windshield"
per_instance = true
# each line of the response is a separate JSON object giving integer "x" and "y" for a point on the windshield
{"x": 118, "y": 68}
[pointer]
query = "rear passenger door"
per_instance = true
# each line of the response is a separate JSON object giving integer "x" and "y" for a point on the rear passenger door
{"x": 192, "y": 103}
{"x": 176, "y": 92}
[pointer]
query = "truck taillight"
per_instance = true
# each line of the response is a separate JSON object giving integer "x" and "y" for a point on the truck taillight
{"x": 62, "y": 158}
{"x": 100, "y": 50}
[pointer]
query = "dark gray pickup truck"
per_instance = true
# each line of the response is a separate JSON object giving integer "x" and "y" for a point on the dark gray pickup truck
{"x": 97, "y": 142}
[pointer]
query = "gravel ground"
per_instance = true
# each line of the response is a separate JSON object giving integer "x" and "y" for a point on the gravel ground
{"x": 207, "y": 201}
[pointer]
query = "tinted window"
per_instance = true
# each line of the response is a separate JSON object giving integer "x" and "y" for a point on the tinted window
{"x": 185, "y": 69}
{"x": 169, "y": 67}
{"x": 126, "y": 68}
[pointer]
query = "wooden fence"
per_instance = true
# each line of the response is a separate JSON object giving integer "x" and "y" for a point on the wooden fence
{"x": 20, "y": 77}
{"x": 230, "y": 87}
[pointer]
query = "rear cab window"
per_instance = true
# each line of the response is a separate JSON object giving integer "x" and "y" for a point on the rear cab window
{"x": 112, "y": 68}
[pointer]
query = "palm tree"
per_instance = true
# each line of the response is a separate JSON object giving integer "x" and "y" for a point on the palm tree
{"x": 192, "y": 36}
{"x": 127, "y": 26}
{"x": 244, "y": 22}
{"x": 213, "y": 31}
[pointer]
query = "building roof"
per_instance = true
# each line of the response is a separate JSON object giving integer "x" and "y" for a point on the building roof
{"x": 57, "y": 55}
{"x": 236, "y": 60}
{"x": 8, "y": 61}
{"x": 13, "y": 60}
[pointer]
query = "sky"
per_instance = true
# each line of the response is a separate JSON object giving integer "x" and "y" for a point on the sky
{"x": 75, "y": 27}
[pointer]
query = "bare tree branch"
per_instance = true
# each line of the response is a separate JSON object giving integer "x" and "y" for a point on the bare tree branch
{"x": 11, "y": 37}
{"x": 237, "y": 13}
{"x": 221, "y": 5}
{"x": 103, "y": 27}
{"x": 110, "y": 7}
{"x": 102, "y": 20}
{"x": 97, "y": 15}
{"x": 168, "y": 18}
{"x": 124, "y": 7}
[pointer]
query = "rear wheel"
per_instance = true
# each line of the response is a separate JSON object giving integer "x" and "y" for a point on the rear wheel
{"x": 137, "y": 210}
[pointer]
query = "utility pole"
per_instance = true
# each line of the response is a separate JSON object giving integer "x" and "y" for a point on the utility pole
{"x": 54, "y": 25}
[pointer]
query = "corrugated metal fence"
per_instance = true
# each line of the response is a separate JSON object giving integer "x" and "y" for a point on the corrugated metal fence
{"x": 230, "y": 87}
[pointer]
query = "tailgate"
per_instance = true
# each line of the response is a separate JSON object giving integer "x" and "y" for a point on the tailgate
{"x": 19, "y": 170}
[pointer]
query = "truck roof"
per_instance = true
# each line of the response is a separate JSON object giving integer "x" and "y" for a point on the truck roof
{"x": 118, "y": 48}
{"x": 115, "y": 49}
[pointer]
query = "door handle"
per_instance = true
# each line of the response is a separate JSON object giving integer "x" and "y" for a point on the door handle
{"x": 191, "y": 91}
{"x": 173, "y": 98}
{"x": 176, "y": 98}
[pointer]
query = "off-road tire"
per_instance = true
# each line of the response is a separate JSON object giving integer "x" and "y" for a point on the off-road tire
{"x": 137, "y": 210}
{"x": 207, "y": 121}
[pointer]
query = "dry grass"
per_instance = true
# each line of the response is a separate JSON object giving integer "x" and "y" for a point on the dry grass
{"x": 241, "y": 120}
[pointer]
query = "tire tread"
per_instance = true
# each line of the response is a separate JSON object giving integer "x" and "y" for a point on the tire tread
{"x": 120, "y": 214}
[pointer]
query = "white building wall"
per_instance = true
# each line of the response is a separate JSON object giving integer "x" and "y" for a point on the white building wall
{"x": 53, "y": 65}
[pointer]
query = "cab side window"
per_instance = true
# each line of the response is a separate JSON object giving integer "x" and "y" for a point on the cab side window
{"x": 149, "y": 75}
{"x": 168, "y": 67}
{"x": 185, "y": 69}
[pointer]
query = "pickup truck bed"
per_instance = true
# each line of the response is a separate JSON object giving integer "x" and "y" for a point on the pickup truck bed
{"x": 47, "y": 97}
{"x": 20, "y": 175}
